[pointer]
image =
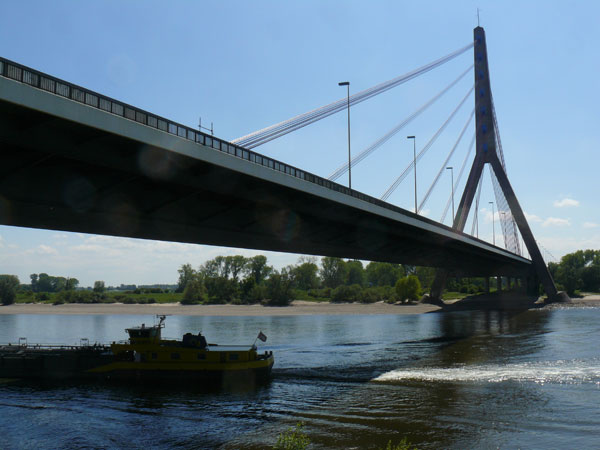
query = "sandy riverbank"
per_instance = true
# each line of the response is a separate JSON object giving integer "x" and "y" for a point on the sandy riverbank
{"x": 298, "y": 307}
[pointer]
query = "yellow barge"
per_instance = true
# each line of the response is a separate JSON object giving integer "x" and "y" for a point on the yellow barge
{"x": 144, "y": 356}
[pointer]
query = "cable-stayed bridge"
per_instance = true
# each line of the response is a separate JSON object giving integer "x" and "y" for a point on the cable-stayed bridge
{"x": 76, "y": 160}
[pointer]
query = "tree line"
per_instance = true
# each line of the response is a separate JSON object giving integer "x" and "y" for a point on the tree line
{"x": 578, "y": 271}
{"x": 249, "y": 280}
{"x": 240, "y": 280}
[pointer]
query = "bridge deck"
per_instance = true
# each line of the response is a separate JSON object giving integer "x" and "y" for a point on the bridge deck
{"x": 75, "y": 160}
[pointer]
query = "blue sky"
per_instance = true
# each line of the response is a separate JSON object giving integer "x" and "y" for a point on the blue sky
{"x": 246, "y": 65}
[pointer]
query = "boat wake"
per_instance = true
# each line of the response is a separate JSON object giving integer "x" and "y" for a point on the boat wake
{"x": 558, "y": 372}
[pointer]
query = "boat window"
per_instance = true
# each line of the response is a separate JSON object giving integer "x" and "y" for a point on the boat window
{"x": 154, "y": 356}
{"x": 233, "y": 356}
{"x": 201, "y": 355}
{"x": 143, "y": 333}
{"x": 175, "y": 356}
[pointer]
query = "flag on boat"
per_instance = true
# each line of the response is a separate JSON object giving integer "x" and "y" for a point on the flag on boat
{"x": 262, "y": 336}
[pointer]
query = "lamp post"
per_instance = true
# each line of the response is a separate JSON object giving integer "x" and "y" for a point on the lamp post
{"x": 452, "y": 185}
{"x": 347, "y": 84}
{"x": 414, "y": 165}
{"x": 493, "y": 223}
{"x": 477, "y": 216}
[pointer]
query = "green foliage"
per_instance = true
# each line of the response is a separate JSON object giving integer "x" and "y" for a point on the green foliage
{"x": 355, "y": 273}
{"x": 42, "y": 296}
{"x": 402, "y": 445}
{"x": 279, "y": 290}
{"x": 47, "y": 283}
{"x": 8, "y": 289}
{"x": 333, "y": 271}
{"x": 408, "y": 288}
{"x": 258, "y": 269}
{"x": 305, "y": 276}
{"x": 99, "y": 286}
{"x": 292, "y": 439}
{"x": 577, "y": 271}
{"x": 186, "y": 273}
{"x": 257, "y": 294}
{"x": 78, "y": 297}
{"x": 347, "y": 294}
{"x": 426, "y": 276}
{"x": 194, "y": 292}
{"x": 383, "y": 274}
{"x": 324, "y": 294}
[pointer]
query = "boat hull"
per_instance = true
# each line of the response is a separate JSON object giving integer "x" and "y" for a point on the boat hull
{"x": 99, "y": 364}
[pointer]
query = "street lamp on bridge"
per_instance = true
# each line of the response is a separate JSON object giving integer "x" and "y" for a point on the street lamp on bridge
{"x": 502, "y": 222}
{"x": 347, "y": 84}
{"x": 493, "y": 223}
{"x": 414, "y": 165}
{"x": 452, "y": 185}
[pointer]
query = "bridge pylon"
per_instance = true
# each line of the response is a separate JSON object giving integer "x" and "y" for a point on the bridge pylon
{"x": 486, "y": 153}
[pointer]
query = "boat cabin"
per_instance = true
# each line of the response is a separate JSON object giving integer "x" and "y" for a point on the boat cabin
{"x": 143, "y": 334}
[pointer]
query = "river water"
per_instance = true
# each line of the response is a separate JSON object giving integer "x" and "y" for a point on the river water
{"x": 455, "y": 380}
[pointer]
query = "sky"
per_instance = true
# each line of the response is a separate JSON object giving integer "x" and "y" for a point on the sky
{"x": 246, "y": 65}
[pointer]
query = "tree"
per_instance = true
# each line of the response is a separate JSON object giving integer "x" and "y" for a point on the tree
{"x": 426, "y": 276}
{"x": 355, "y": 273}
{"x": 44, "y": 283}
{"x": 257, "y": 268}
{"x": 195, "y": 291}
{"x": 408, "y": 288}
{"x": 305, "y": 276}
{"x": 346, "y": 293}
{"x": 333, "y": 271}
{"x": 383, "y": 274}
{"x": 34, "y": 282}
{"x": 8, "y": 289}
{"x": 48, "y": 283}
{"x": 279, "y": 288}
{"x": 236, "y": 265}
{"x": 590, "y": 276}
{"x": 98, "y": 286}
{"x": 186, "y": 274}
{"x": 569, "y": 270}
{"x": 71, "y": 284}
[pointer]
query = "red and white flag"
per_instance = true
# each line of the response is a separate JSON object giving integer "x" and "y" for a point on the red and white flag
{"x": 262, "y": 336}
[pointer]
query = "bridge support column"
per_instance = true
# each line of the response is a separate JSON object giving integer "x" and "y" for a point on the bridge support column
{"x": 499, "y": 284}
{"x": 486, "y": 153}
{"x": 486, "y": 284}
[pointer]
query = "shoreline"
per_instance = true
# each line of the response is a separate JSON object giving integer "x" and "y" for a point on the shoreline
{"x": 297, "y": 308}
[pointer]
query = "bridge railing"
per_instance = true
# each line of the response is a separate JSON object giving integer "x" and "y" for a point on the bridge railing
{"x": 40, "y": 80}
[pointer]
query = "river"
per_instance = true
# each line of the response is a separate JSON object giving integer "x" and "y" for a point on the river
{"x": 454, "y": 381}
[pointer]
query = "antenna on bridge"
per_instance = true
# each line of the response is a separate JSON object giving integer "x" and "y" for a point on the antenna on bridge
{"x": 200, "y": 127}
{"x": 478, "y": 17}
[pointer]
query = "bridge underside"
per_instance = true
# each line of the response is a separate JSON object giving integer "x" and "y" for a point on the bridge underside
{"x": 62, "y": 175}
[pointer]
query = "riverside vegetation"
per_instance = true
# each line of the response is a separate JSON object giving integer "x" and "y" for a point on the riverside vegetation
{"x": 241, "y": 280}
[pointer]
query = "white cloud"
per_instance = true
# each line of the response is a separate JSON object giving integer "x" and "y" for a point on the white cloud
{"x": 556, "y": 222}
{"x": 531, "y": 218}
{"x": 1, "y": 241}
{"x": 42, "y": 249}
{"x": 425, "y": 212}
{"x": 565, "y": 202}
{"x": 590, "y": 225}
